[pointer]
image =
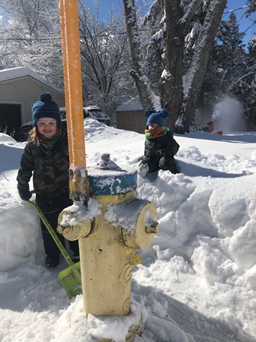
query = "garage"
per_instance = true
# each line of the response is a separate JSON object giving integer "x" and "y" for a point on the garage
{"x": 20, "y": 88}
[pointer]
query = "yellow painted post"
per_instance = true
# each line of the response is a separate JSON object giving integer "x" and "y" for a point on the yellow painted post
{"x": 65, "y": 74}
{"x": 74, "y": 101}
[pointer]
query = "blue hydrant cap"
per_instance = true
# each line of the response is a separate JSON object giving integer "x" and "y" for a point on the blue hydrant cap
{"x": 107, "y": 178}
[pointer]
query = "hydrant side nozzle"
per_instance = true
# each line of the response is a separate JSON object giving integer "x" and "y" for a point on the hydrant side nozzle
{"x": 72, "y": 228}
{"x": 146, "y": 226}
{"x": 77, "y": 231}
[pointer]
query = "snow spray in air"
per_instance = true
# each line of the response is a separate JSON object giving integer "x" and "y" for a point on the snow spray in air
{"x": 228, "y": 116}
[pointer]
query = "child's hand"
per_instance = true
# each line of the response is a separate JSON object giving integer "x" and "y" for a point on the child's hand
{"x": 142, "y": 170}
{"x": 24, "y": 192}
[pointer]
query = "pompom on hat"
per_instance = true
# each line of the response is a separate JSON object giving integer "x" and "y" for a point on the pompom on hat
{"x": 154, "y": 117}
{"x": 46, "y": 108}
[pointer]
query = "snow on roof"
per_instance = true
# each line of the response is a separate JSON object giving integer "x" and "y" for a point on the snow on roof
{"x": 92, "y": 107}
{"x": 13, "y": 73}
{"x": 128, "y": 107}
{"x": 9, "y": 74}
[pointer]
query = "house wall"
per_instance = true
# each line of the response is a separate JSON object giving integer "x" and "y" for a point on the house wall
{"x": 131, "y": 120}
{"x": 25, "y": 91}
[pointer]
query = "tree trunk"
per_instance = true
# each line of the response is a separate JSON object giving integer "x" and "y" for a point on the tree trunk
{"x": 176, "y": 25}
{"x": 140, "y": 79}
{"x": 172, "y": 90}
{"x": 195, "y": 75}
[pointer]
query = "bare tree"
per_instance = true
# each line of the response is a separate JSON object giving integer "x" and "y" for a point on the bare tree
{"x": 178, "y": 15}
{"x": 104, "y": 54}
{"x": 137, "y": 72}
{"x": 31, "y": 38}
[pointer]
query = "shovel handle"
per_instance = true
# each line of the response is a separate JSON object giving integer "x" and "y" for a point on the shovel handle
{"x": 53, "y": 233}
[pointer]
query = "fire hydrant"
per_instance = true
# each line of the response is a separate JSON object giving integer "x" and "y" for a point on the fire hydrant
{"x": 114, "y": 226}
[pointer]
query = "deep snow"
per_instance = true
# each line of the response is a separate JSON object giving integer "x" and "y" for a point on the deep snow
{"x": 198, "y": 279}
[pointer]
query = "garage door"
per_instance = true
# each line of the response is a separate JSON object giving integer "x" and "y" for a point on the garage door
{"x": 10, "y": 118}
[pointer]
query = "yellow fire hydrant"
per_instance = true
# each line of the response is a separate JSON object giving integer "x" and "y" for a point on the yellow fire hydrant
{"x": 115, "y": 224}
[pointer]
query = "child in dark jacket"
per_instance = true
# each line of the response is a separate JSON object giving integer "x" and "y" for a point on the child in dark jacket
{"x": 46, "y": 156}
{"x": 160, "y": 146}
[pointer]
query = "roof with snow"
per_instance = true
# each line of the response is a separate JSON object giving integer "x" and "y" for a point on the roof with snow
{"x": 15, "y": 73}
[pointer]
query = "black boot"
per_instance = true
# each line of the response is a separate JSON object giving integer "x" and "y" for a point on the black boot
{"x": 52, "y": 261}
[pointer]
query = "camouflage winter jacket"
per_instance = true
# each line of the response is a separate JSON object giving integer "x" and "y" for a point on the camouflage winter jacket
{"x": 163, "y": 146}
{"x": 50, "y": 170}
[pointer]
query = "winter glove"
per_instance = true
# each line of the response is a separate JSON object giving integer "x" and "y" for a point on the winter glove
{"x": 143, "y": 170}
{"x": 24, "y": 192}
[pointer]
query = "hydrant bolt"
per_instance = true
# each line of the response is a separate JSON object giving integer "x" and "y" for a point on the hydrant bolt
{"x": 152, "y": 229}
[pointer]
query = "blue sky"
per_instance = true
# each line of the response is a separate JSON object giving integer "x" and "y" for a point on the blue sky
{"x": 244, "y": 23}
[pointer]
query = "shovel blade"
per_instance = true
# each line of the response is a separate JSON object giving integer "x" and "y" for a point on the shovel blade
{"x": 70, "y": 279}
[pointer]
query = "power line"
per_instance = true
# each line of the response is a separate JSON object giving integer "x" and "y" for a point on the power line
{"x": 29, "y": 39}
{"x": 236, "y": 9}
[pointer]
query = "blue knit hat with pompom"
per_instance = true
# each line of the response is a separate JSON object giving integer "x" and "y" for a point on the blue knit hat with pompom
{"x": 154, "y": 117}
{"x": 46, "y": 108}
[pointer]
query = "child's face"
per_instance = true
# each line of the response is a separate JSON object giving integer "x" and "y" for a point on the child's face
{"x": 152, "y": 126}
{"x": 47, "y": 127}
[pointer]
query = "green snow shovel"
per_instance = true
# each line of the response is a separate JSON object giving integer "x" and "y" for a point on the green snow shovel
{"x": 70, "y": 278}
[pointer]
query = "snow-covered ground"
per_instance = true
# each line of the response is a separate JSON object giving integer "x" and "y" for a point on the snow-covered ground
{"x": 198, "y": 279}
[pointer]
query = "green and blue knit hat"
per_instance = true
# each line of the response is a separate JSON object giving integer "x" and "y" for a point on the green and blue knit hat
{"x": 46, "y": 108}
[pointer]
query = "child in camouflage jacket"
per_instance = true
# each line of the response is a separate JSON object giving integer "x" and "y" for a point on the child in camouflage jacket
{"x": 46, "y": 156}
{"x": 160, "y": 146}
